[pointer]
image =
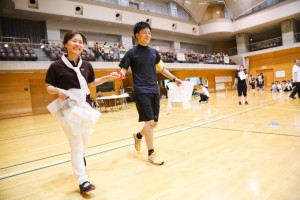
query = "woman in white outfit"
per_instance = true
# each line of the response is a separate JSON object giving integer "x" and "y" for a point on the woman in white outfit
{"x": 72, "y": 72}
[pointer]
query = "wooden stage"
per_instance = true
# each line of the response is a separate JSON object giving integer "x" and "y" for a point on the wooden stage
{"x": 213, "y": 151}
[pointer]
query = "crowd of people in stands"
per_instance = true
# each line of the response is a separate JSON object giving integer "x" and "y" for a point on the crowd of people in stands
{"x": 192, "y": 57}
{"x": 107, "y": 53}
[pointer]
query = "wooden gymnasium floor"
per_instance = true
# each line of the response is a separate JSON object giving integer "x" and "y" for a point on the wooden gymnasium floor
{"x": 214, "y": 151}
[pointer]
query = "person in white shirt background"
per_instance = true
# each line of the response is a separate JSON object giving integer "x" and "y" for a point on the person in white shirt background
{"x": 296, "y": 79}
{"x": 204, "y": 94}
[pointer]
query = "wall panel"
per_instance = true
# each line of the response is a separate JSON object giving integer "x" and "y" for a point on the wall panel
{"x": 277, "y": 61}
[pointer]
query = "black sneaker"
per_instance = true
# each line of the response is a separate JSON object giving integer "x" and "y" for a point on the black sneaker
{"x": 292, "y": 97}
{"x": 240, "y": 103}
{"x": 86, "y": 187}
{"x": 246, "y": 102}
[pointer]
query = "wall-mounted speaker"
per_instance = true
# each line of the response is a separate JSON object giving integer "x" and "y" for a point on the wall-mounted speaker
{"x": 33, "y": 4}
{"x": 118, "y": 16}
{"x": 78, "y": 10}
{"x": 149, "y": 20}
{"x": 174, "y": 26}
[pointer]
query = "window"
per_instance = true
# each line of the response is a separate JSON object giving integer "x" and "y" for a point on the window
{"x": 195, "y": 80}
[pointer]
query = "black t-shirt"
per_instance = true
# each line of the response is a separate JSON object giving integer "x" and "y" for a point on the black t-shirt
{"x": 61, "y": 76}
{"x": 142, "y": 60}
{"x": 238, "y": 76}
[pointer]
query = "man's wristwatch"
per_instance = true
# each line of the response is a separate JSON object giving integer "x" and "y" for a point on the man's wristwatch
{"x": 174, "y": 78}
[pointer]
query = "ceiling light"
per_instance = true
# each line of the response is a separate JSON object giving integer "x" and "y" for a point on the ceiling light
{"x": 6, "y": 45}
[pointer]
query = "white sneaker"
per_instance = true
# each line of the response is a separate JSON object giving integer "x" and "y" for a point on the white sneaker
{"x": 154, "y": 159}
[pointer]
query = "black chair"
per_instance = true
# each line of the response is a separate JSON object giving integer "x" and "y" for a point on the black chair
{"x": 11, "y": 56}
{"x": 26, "y": 56}
{"x": 24, "y": 51}
{"x": 19, "y": 56}
{"x": 33, "y": 57}
{"x": 3, "y": 56}
{"x": 17, "y": 51}
{"x": 31, "y": 51}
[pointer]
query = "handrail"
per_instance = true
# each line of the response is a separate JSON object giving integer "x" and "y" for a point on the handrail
{"x": 14, "y": 39}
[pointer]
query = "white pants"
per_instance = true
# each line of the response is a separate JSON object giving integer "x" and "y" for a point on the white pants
{"x": 78, "y": 144}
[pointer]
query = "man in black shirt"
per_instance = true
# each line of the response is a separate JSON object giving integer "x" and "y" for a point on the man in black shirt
{"x": 144, "y": 61}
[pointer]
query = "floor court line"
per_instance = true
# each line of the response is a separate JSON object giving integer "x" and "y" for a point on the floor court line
{"x": 118, "y": 147}
{"x": 251, "y": 131}
{"x": 48, "y": 147}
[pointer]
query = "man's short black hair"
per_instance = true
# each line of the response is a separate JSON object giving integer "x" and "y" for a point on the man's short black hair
{"x": 139, "y": 26}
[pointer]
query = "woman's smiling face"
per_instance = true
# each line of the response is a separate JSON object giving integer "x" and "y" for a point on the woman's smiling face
{"x": 75, "y": 45}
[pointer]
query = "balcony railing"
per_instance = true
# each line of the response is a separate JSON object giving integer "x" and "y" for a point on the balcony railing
{"x": 274, "y": 42}
{"x": 147, "y": 7}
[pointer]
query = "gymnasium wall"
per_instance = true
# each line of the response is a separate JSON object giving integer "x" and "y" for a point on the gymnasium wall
{"x": 24, "y": 93}
{"x": 279, "y": 62}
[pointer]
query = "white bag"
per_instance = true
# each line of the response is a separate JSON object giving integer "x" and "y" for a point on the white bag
{"x": 74, "y": 114}
{"x": 180, "y": 96}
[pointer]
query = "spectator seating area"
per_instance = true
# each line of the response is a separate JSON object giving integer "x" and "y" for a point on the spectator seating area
{"x": 265, "y": 44}
{"x": 207, "y": 58}
{"x": 25, "y": 52}
{"x": 17, "y": 52}
{"x": 55, "y": 52}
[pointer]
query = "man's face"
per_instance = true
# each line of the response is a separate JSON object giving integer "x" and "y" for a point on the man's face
{"x": 144, "y": 36}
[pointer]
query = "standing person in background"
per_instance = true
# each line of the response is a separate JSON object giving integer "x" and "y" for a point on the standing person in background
{"x": 70, "y": 71}
{"x": 144, "y": 61}
{"x": 106, "y": 50}
{"x": 252, "y": 83}
{"x": 259, "y": 82}
{"x": 263, "y": 81}
{"x": 296, "y": 79}
{"x": 241, "y": 82}
{"x": 97, "y": 51}
{"x": 115, "y": 49}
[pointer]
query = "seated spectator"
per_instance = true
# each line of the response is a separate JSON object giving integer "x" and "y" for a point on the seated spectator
{"x": 115, "y": 50}
{"x": 289, "y": 85}
{"x": 286, "y": 86}
{"x": 278, "y": 86}
{"x": 273, "y": 87}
